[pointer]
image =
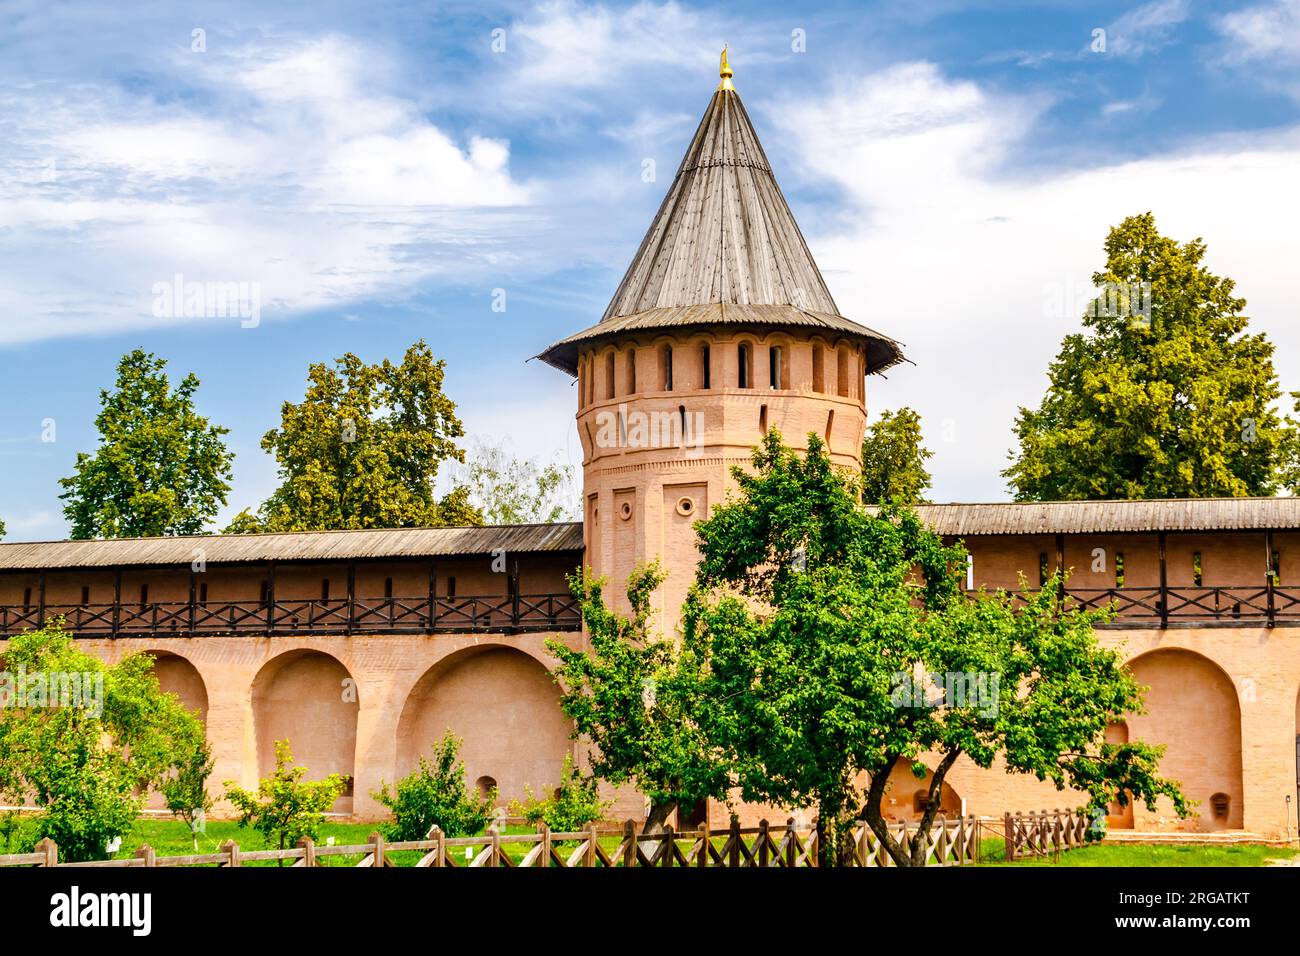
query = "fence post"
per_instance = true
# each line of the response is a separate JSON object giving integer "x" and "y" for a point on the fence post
{"x": 591, "y": 844}
{"x": 51, "y": 851}
{"x": 1009, "y": 832}
{"x": 669, "y": 846}
{"x": 146, "y": 853}
{"x": 705, "y": 843}
{"x": 629, "y": 844}
{"x": 545, "y": 855}
{"x": 762, "y": 843}
{"x": 941, "y": 844}
{"x": 377, "y": 841}
{"x": 733, "y": 855}
{"x": 440, "y": 855}
{"x": 789, "y": 842}
{"x": 308, "y": 851}
{"x": 231, "y": 849}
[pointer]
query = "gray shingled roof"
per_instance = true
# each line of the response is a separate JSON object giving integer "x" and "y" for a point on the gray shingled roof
{"x": 1087, "y": 517}
{"x": 379, "y": 543}
{"x": 724, "y": 239}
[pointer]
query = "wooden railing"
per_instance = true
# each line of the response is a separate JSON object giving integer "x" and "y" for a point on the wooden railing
{"x": 361, "y": 615}
{"x": 1047, "y": 833}
{"x": 948, "y": 843}
{"x": 1192, "y": 606}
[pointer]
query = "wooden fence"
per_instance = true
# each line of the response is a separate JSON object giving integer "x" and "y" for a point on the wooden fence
{"x": 948, "y": 843}
{"x": 1040, "y": 834}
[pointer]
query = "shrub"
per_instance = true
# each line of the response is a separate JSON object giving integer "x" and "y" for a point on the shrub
{"x": 285, "y": 808}
{"x": 575, "y": 803}
{"x": 435, "y": 793}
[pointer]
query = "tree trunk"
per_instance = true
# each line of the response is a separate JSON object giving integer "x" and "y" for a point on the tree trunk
{"x": 659, "y": 813}
{"x": 934, "y": 798}
{"x": 871, "y": 813}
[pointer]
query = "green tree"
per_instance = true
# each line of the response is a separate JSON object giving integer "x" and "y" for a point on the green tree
{"x": 893, "y": 459}
{"x": 1164, "y": 394}
{"x": 85, "y": 740}
{"x": 574, "y": 804}
{"x": 816, "y": 623}
{"x": 435, "y": 794}
{"x": 185, "y": 788}
{"x": 632, "y": 694}
{"x": 510, "y": 490}
{"x": 363, "y": 448}
{"x": 285, "y": 808}
{"x": 160, "y": 468}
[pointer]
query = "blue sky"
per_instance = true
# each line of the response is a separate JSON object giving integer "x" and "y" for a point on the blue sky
{"x": 378, "y": 170}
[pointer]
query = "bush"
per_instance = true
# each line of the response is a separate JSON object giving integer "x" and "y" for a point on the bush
{"x": 435, "y": 793}
{"x": 284, "y": 808}
{"x": 575, "y": 804}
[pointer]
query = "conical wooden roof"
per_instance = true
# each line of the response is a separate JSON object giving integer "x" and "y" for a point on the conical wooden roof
{"x": 723, "y": 248}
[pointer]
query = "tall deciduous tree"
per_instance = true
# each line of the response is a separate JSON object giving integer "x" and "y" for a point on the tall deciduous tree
{"x": 1164, "y": 394}
{"x": 893, "y": 459}
{"x": 363, "y": 449}
{"x": 813, "y": 623}
{"x": 160, "y": 468}
{"x": 509, "y": 490}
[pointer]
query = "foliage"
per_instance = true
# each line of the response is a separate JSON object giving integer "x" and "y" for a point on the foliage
{"x": 811, "y": 617}
{"x": 160, "y": 469}
{"x": 246, "y": 522}
{"x": 631, "y": 695}
{"x": 363, "y": 448}
{"x": 893, "y": 459}
{"x": 1176, "y": 404}
{"x": 511, "y": 490}
{"x": 574, "y": 804}
{"x": 86, "y": 763}
{"x": 435, "y": 794}
{"x": 185, "y": 788}
{"x": 285, "y": 807}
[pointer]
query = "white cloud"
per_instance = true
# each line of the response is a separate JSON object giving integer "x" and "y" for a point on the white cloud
{"x": 305, "y": 177}
{"x": 1145, "y": 29}
{"x": 981, "y": 272}
{"x": 1267, "y": 31}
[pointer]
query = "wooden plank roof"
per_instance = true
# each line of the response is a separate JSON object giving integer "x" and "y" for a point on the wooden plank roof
{"x": 368, "y": 544}
{"x": 1088, "y": 517}
{"x": 724, "y": 247}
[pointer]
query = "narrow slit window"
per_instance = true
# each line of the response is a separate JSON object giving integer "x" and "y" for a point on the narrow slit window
{"x": 324, "y": 589}
{"x": 609, "y": 375}
{"x": 742, "y": 372}
{"x": 681, "y": 419}
{"x": 85, "y": 595}
{"x": 631, "y": 372}
{"x": 762, "y": 419}
{"x": 27, "y": 599}
{"x": 203, "y": 593}
{"x": 667, "y": 354}
{"x": 819, "y": 368}
{"x": 970, "y": 572}
{"x": 144, "y": 596}
{"x": 451, "y": 587}
{"x": 388, "y": 587}
{"x": 842, "y": 373}
{"x": 1196, "y": 569}
{"x": 1042, "y": 569}
{"x": 774, "y": 367}
{"x": 830, "y": 424}
{"x": 1275, "y": 569}
{"x": 1119, "y": 569}
{"x": 266, "y": 592}
{"x": 706, "y": 372}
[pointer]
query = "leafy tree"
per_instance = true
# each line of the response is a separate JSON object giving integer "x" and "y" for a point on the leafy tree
{"x": 246, "y": 522}
{"x": 160, "y": 468}
{"x": 185, "y": 789}
{"x": 632, "y": 695}
{"x": 575, "y": 803}
{"x": 893, "y": 459}
{"x": 1178, "y": 403}
{"x": 435, "y": 793}
{"x": 511, "y": 490}
{"x": 813, "y": 619}
{"x": 363, "y": 448}
{"x": 284, "y": 807}
{"x": 2, "y": 528}
{"x": 85, "y": 762}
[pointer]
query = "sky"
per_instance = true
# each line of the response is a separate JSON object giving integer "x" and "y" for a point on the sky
{"x": 366, "y": 175}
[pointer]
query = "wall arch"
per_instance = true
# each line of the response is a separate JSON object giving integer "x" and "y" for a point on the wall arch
{"x": 309, "y": 698}
{"x": 505, "y": 707}
{"x": 1193, "y": 710}
{"x": 176, "y": 675}
{"x": 901, "y": 801}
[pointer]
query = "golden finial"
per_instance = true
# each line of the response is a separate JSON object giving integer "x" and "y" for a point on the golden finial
{"x": 724, "y": 71}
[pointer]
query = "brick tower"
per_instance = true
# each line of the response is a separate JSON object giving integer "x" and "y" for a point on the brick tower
{"x": 721, "y": 329}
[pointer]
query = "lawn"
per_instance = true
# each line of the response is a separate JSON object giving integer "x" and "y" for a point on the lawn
{"x": 993, "y": 853}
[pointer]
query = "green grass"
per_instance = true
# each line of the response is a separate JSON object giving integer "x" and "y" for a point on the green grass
{"x": 993, "y": 853}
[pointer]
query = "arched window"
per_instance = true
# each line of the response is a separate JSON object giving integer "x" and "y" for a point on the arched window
{"x": 774, "y": 356}
{"x": 487, "y": 786}
{"x": 819, "y": 368}
{"x": 666, "y": 361}
{"x": 705, "y": 375}
{"x": 842, "y": 373}
{"x": 743, "y": 361}
{"x": 631, "y": 371}
{"x": 830, "y": 424}
{"x": 609, "y": 375}
{"x": 1220, "y": 803}
{"x": 919, "y": 801}
{"x": 762, "y": 419}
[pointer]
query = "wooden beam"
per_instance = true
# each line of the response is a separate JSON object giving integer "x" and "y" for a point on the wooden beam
{"x": 270, "y": 596}
{"x": 40, "y": 605}
{"x": 1060, "y": 567}
{"x": 1269, "y": 571}
{"x": 194, "y": 586}
{"x": 433, "y": 595}
{"x": 117, "y": 601}
{"x": 352, "y": 593}
{"x": 1164, "y": 583}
